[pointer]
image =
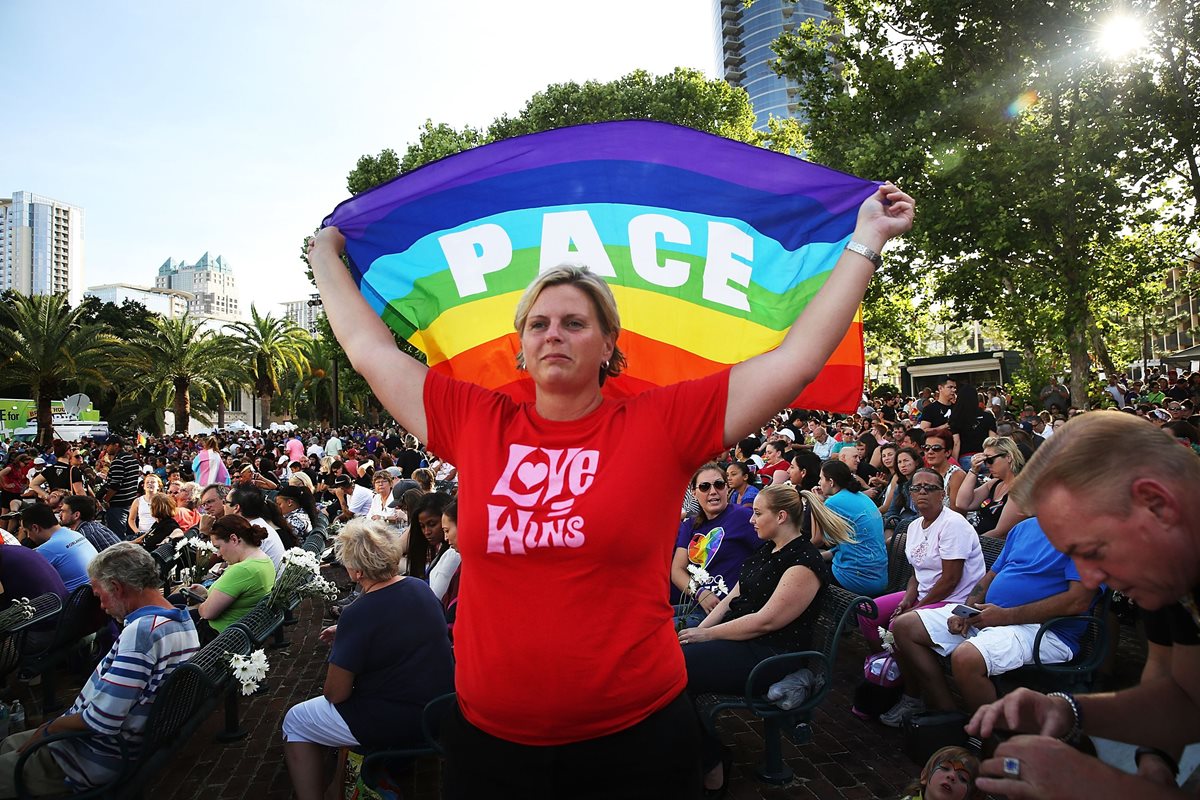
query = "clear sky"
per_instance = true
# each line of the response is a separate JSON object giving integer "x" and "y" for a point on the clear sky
{"x": 229, "y": 127}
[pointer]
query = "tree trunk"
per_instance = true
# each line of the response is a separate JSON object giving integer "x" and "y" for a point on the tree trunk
{"x": 183, "y": 405}
{"x": 221, "y": 411}
{"x": 264, "y": 407}
{"x": 1099, "y": 346}
{"x": 45, "y": 419}
{"x": 1077, "y": 348}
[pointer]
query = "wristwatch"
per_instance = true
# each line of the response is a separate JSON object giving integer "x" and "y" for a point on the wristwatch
{"x": 865, "y": 252}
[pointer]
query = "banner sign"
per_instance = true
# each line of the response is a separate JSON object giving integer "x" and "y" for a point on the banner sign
{"x": 712, "y": 249}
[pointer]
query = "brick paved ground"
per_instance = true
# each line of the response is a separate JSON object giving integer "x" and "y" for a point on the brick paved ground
{"x": 847, "y": 758}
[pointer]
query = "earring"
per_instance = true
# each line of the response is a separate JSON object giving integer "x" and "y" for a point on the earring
{"x": 605, "y": 365}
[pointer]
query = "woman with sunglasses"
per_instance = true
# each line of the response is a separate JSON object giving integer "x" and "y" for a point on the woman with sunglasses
{"x": 944, "y": 551}
{"x": 939, "y": 446}
{"x": 718, "y": 539}
{"x": 1004, "y": 461}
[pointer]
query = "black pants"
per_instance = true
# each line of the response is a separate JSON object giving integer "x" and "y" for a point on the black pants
{"x": 720, "y": 666}
{"x": 656, "y": 759}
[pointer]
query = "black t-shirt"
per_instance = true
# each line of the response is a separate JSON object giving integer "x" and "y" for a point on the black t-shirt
{"x": 761, "y": 572}
{"x": 407, "y": 461}
{"x": 58, "y": 476}
{"x": 971, "y": 439}
{"x": 888, "y": 412}
{"x": 1174, "y": 624}
{"x": 935, "y": 414}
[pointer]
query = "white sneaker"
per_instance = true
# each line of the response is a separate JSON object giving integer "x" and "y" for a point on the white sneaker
{"x": 907, "y": 706}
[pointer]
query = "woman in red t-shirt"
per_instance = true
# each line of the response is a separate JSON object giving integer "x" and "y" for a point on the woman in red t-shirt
{"x": 550, "y": 702}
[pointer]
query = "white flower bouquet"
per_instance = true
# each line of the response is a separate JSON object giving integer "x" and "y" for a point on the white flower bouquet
{"x": 700, "y": 582}
{"x": 301, "y": 577}
{"x": 249, "y": 670}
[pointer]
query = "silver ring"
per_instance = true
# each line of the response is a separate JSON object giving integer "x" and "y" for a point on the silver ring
{"x": 1011, "y": 767}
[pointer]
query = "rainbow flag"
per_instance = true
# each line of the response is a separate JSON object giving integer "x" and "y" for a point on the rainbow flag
{"x": 712, "y": 248}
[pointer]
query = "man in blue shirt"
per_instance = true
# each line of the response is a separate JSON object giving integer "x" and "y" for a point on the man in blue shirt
{"x": 67, "y": 551}
{"x": 1030, "y": 583}
{"x": 115, "y": 704}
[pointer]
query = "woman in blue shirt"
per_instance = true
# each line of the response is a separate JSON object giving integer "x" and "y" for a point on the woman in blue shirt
{"x": 860, "y": 565}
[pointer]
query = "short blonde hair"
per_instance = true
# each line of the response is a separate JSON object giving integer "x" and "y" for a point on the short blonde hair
{"x": 1008, "y": 447}
{"x": 371, "y": 547}
{"x": 597, "y": 291}
{"x": 1098, "y": 456}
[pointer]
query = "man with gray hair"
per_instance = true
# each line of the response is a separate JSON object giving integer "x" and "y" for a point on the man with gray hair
{"x": 1119, "y": 497}
{"x": 115, "y": 703}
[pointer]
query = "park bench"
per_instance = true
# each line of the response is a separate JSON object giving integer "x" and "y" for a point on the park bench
{"x": 262, "y": 622}
{"x": 187, "y": 697}
{"x": 80, "y": 618}
{"x": 13, "y": 637}
{"x": 837, "y": 609}
{"x": 388, "y": 765}
{"x": 166, "y": 556}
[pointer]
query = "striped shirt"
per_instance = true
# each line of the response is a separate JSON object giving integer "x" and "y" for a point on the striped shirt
{"x": 116, "y": 700}
{"x": 124, "y": 475}
{"x": 98, "y": 534}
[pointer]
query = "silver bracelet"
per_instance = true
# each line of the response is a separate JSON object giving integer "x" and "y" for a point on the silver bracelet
{"x": 1077, "y": 717}
{"x": 865, "y": 252}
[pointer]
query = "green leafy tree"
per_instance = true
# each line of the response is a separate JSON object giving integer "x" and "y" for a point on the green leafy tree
{"x": 272, "y": 347}
{"x": 46, "y": 345}
{"x": 1012, "y": 131}
{"x": 177, "y": 362}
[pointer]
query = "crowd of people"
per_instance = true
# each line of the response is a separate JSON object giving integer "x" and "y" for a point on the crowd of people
{"x": 774, "y": 515}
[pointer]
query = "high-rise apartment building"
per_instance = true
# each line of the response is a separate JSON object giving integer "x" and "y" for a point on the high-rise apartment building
{"x": 41, "y": 246}
{"x": 210, "y": 281}
{"x": 304, "y": 313}
{"x": 743, "y": 38}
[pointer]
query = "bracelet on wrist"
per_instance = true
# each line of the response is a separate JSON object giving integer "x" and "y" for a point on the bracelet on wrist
{"x": 1076, "y": 714}
{"x": 1171, "y": 763}
{"x": 866, "y": 252}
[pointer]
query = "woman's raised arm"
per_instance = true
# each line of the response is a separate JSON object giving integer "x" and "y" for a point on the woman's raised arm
{"x": 780, "y": 375}
{"x": 397, "y": 378}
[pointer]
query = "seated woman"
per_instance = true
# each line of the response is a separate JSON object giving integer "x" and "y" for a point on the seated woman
{"x": 187, "y": 497}
{"x": 381, "y": 674}
{"x": 140, "y": 517}
{"x": 898, "y": 508}
{"x": 859, "y": 563}
{"x": 945, "y": 555}
{"x": 298, "y": 508}
{"x": 742, "y": 490}
{"x": 248, "y": 579}
{"x": 162, "y": 507}
{"x": 770, "y": 610}
{"x": 719, "y": 538}
{"x": 381, "y": 501}
{"x": 422, "y": 543}
{"x": 443, "y": 578}
{"x": 939, "y": 448}
{"x": 1004, "y": 461}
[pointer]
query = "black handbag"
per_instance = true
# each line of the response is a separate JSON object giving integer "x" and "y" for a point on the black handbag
{"x": 929, "y": 731}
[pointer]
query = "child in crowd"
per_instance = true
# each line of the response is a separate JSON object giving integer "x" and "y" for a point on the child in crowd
{"x": 949, "y": 774}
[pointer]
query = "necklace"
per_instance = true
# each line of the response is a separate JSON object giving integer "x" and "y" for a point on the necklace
{"x": 377, "y": 584}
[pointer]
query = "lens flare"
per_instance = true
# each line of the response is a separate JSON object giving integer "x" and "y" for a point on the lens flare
{"x": 1025, "y": 101}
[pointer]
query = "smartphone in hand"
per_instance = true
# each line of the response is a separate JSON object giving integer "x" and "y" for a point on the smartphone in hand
{"x": 965, "y": 612}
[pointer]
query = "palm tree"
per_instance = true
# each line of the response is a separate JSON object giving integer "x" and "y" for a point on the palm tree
{"x": 47, "y": 345}
{"x": 318, "y": 382}
{"x": 272, "y": 347}
{"x": 179, "y": 361}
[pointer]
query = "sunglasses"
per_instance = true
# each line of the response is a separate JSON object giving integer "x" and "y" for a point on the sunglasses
{"x": 989, "y": 459}
{"x": 933, "y": 448}
{"x": 924, "y": 488}
{"x": 718, "y": 484}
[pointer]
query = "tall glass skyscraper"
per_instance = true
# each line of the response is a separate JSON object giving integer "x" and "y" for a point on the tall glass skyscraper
{"x": 743, "y": 38}
{"x": 41, "y": 246}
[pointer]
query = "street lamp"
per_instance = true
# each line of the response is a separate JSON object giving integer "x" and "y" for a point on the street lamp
{"x": 314, "y": 301}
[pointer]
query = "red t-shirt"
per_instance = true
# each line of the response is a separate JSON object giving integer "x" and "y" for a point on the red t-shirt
{"x": 563, "y": 630}
{"x": 767, "y": 471}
